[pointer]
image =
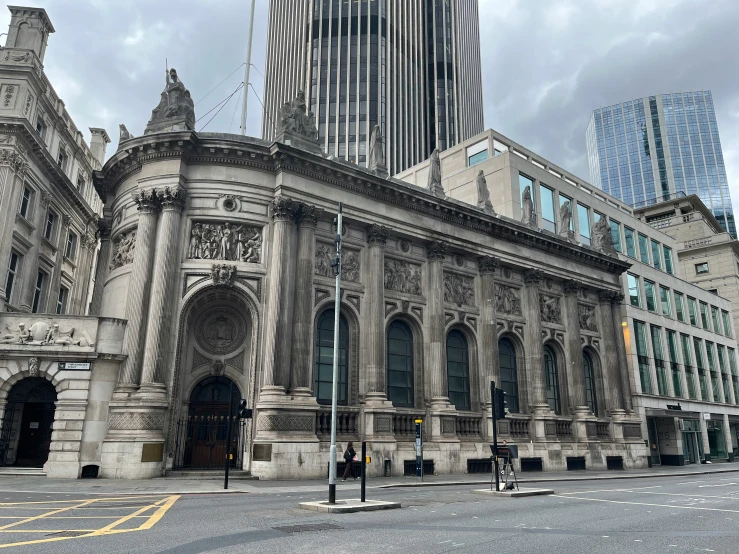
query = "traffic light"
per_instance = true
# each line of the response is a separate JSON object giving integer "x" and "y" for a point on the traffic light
{"x": 500, "y": 404}
{"x": 244, "y": 412}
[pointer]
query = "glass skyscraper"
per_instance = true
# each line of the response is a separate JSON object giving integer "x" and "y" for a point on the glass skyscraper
{"x": 412, "y": 67}
{"x": 648, "y": 149}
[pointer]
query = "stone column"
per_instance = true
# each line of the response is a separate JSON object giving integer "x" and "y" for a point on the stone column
{"x": 573, "y": 349}
{"x": 436, "y": 337}
{"x": 727, "y": 434}
{"x": 280, "y": 276}
{"x": 610, "y": 362}
{"x": 488, "y": 348}
{"x": 138, "y": 293}
{"x": 103, "y": 263}
{"x": 535, "y": 378}
{"x": 623, "y": 365}
{"x": 301, "y": 363}
{"x": 704, "y": 437}
{"x": 88, "y": 245}
{"x": 13, "y": 167}
{"x": 374, "y": 334}
{"x": 161, "y": 318}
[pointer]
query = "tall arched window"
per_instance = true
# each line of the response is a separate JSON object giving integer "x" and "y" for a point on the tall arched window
{"x": 508, "y": 374}
{"x": 590, "y": 383}
{"x": 325, "y": 358}
{"x": 458, "y": 370}
{"x": 400, "y": 364}
{"x": 550, "y": 370}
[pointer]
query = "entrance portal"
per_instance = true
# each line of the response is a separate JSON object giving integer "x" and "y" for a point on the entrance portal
{"x": 25, "y": 437}
{"x": 202, "y": 438}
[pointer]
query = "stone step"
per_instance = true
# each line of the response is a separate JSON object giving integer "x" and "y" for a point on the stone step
{"x": 206, "y": 475}
{"x": 11, "y": 471}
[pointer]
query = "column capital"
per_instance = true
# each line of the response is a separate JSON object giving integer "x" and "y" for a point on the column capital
{"x": 308, "y": 215}
{"x": 436, "y": 251}
{"x": 172, "y": 198}
{"x": 284, "y": 209}
{"x": 572, "y": 287}
{"x": 610, "y": 297}
{"x": 104, "y": 228}
{"x": 531, "y": 276}
{"x": 487, "y": 265}
{"x": 377, "y": 234}
{"x": 146, "y": 201}
{"x": 618, "y": 298}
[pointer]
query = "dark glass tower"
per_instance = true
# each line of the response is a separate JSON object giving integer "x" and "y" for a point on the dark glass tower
{"x": 411, "y": 66}
{"x": 648, "y": 149}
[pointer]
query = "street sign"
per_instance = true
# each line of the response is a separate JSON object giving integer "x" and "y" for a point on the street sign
{"x": 74, "y": 366}
{"x": 707, "y": 417}
{"x": 367, "y": 460}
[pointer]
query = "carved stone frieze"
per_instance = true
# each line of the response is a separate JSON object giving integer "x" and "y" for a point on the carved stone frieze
{"x": 350, "y": 263}
{"x": 221, "y": 330}
{"x": 41, "y": 333}
{"x": 136, "y": 420}
{"x": 124, "y": 246}
{"x": 507, "y": 300}
{"x": 402, "y": 277}
{"x": 587, "y": 318}
{"x": 285, "y": 422}
{"x": 223, "y": 274}
{"x": 549, "y": 309}
{"x": 459, "y": 289}
{"x": 16, "y": 161}
{"x": 225, "y": 241}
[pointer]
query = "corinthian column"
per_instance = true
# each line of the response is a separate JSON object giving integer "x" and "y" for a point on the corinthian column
{"x": 138, "y": 289}
{"x": 573, "y": 349}
{"x": 101, "y": 272}
{"x": 276, "y": 343}
{"x": 160, "y": 317}
{"x": 537, "y": 392}
{"x": 375, "y": 301}
{"x": 610, "y": 362}
{"x": 489, "y": 358}
{"x": 301, "y": 362}
{"x": 435, "y": 367}
{"x": 13, "y": 167}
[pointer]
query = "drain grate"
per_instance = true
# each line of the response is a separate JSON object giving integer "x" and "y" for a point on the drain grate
{"x": 68, "y": 534}
{"x": 308, "y": 527}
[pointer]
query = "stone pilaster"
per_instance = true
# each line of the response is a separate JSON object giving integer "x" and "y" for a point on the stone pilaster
{"x": 56, "y": 277}
{"x": 160, "y": 318}
{"x": 436, "y": 337}
{"x": 610, "y": 362}
{"x": 13, "y": 167}
{"x": 101, "y": 272}
{"x": 535, "y": 378}
{"x": 376, "y": 393}
{"x": 488, "y": 329}
{"x": 623, "y": 372}
{"x": 281, "y": 269}
{"x": 301, "y": 361}
{"x": 574, "y": 356}
{"x": 727, "y": 433}
{"x": 138, "y": 293}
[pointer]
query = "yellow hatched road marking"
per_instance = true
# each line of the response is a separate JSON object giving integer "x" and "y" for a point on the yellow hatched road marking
{"x": 34, "y": 518}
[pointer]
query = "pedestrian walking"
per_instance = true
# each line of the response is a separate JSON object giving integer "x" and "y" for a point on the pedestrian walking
{"x": 349, "y": 457}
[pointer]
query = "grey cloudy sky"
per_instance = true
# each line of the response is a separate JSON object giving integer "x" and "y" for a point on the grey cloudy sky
{"x": 546, "y": 63}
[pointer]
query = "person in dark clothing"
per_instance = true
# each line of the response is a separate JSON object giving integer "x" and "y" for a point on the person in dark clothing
{"x": 349, "y": 456}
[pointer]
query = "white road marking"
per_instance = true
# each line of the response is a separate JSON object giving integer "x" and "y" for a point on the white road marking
{"x": 720, "y": 485}
{"x": 690, "y": 482}
{"x": 649, "y": 504}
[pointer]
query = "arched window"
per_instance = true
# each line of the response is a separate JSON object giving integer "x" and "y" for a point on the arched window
{"x": 508, "y": 374}
{"x": 400, "y": 364}
{"x": 325, "y": 358}
{"x": 590, "y": 395}
{"x": 550, "y": 370}
{"x": 458, "y": 370}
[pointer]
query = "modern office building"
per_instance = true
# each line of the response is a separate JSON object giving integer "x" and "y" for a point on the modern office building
{"x": 644, "y": 150}
{"x": 412, "y": 67}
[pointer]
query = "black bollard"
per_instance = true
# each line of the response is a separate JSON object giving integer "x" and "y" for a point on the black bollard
{"x": 364, "y": 462}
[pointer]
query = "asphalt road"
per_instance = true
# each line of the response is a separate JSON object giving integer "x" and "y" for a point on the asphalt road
{"x": 675, "y": 514}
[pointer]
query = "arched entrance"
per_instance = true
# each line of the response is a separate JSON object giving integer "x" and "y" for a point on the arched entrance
{"x": 204, "y": 435}
{"x": 25, "y": 437}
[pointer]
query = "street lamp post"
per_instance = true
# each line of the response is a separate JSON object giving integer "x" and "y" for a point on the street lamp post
{"x": 336, "y": 267}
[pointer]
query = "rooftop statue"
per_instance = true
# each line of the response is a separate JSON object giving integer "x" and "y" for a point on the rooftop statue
{"x": 483, "y": 194}
{"x": 565, "y": 219}
{"x": 175, "y": 111}
{"x": 528, "y": 215}
{"x": 434, "y": 182}
{"x": 376, "y": 152}
{"x": 602, "y": 241}
{"x": 297, "y": 125}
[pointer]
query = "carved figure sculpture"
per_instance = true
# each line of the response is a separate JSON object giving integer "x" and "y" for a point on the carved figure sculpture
{"x": 55, "y": 336}
{"x": 565, "y": 219}
{"x": 125, "y": 135}
{"x": 549, "y": 309}
{"x": 402, "y": 277}
{"x": 226, "y": 241}
{"x": 434, "y": 180}
{"x": 350, "y": 267}
{"x": 602, "y": 241}
{"x": 14, "y": 337}
{"x": 350, "y": 264}
{"x": 175, "y": 105}
{"x": 483, "y": 194}
{"x": 507, "y": 300}
{"x": 528, "y": 216}
{"x": 376, "y": 153}
{"x": 33, "y": 367}
{"x": 459, "y": 289}
{"x": 587, "y": 318}
{"x": 223, "y": 274}
{"x": 295, "y": 118}
{"x": 125, "y": 244}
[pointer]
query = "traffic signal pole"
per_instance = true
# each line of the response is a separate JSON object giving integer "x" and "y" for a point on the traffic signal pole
{"x": 495, "y": 436}
{"x": 228, "y": 440}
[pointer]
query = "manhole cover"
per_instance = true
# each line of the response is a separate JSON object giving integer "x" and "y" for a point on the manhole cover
{"x": 68, "y": 534}
{"x": 308, "y": 527}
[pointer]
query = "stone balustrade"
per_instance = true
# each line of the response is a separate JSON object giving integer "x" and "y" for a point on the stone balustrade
{"x": 347, "y": 423}
{"x": 469, "y": 426}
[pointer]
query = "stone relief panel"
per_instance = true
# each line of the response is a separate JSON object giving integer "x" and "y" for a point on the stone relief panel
{"x": 225, "y": 241}
{"x": 221, "y": 330}
{"x": 459, "y": 289}
{"x": 549, "y": 309}
{"x": 350, "y": 263}
{"x": 124, "y": 246}
{"x": 587, "y": 318}
{"x": 402, "y": 277}
{"x": 42, "y": 333}
{"x": 507, "y": 300}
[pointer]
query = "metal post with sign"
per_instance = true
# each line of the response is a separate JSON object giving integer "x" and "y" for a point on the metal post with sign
{"x": 419, "y": 448}
{"x": 495, "y": 437}
{"x": 336, "y": 267}
{"x": 228, "y": 432}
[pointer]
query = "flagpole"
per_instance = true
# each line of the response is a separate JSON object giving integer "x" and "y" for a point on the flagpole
{"x": 247, "y": 68}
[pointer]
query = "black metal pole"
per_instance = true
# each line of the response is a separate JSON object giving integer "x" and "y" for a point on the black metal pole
{"x": 495, "y": 437}
{"x": 364, "y": 460}
{"x": 228, "y": 440}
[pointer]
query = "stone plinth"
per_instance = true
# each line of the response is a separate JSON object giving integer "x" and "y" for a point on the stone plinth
{"x": 349, "y": 506}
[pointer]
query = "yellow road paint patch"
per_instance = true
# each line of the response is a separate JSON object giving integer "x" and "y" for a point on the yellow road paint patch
{"x": 150, "y": 513}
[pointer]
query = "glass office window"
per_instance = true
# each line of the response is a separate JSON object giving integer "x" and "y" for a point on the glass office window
{"x": 674, "y": 364}
{"x": 629, "y": 242}
{"x": 547, "y": 208}
{"x": 616, "y": 234}
{"x": 693, "y": 309}
{"x": 715, "y": 318}
{"x": 656, "y": 255}
{"x": 704, "y": 316}
{"x": 659, "y": 359}
{"x": 732, "y": 362}
{"x": 667, "y": 251}
{"x": 583, "y": 222}
{"x": 474, "y": 159}
{"x": 634, "y": 292}
{"x": 679, "y": 306}
{"x": 61, "y": 301}
{"x": 643, "y": 249}
{"x": 701, "y": 268}
{"x": 688, "y": 363}
{"x": 664, "y": 299}
{"x": 25, "y": 202}
{"x": 727, "y": 323}
{"x": 698, "y": 347}
{"x": 651, "y": 293}
{"x": 642, "y": 355}
{"x": 10, "y": 276}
